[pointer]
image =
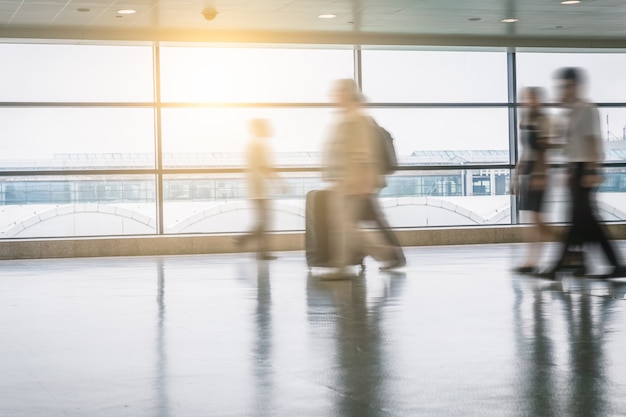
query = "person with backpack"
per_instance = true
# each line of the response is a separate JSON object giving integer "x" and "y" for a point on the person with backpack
{"x": 372, "y": 211}
{"x": 353, "y": 164}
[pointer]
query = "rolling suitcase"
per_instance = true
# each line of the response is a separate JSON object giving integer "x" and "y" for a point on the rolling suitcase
{"x": 317, "y": 228}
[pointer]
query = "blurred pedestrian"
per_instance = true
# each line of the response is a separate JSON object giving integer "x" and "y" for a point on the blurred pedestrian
{"x": 353, "y": 164}
{"x": 260, "y": 173}
{"x": 584, "y": 153}
{"x": 530, "y": 178}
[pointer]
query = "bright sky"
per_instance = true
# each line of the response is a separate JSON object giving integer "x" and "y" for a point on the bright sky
{"x": 82, "y": 73}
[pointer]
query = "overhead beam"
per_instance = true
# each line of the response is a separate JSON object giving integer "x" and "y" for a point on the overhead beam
{"x": 303, "y": 38}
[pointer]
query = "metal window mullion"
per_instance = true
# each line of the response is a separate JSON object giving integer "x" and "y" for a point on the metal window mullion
{"x": 358, "y": 67}
{"x": 513, "y": 139}
{"x": 158, "y": 142}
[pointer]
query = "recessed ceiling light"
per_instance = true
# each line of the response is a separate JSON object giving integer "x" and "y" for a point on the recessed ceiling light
{"x": 570, "y": 2}
{"x": 509, "y": 20}
{"x": 127, "y": 11}
{"x": 327, "y": 16}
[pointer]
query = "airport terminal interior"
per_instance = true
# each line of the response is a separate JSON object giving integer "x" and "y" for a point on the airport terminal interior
{"x": 123, "y": 192}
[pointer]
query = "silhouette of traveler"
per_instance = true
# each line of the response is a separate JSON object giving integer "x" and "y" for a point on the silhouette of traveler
{"x": 530, "y": 176}
{"x": 353, "y": 164}
{"x": 584, "y": 153}
{"x": 260, "y": 173}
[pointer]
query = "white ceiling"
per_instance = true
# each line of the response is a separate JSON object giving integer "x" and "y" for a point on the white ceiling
{"x": 288, "y": 20}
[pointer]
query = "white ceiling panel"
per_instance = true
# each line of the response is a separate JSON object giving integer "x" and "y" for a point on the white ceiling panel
{"x": 597, "y": 19}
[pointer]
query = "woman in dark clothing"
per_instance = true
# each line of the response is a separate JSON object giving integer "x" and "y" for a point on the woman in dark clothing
{"x": 530, "y": 177}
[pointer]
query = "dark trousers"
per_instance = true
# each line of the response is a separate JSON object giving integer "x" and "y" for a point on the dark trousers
{"x": 585, "y": 226}
{"x": 371, "y": 212}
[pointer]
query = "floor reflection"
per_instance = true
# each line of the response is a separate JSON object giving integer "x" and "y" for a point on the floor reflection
{"x": 263, "y": 374}
{"x": 561, "y": 329}
{"x": 209, "y": 335}
{"x": 161, "y": 382}
{"x": 358, "y": 327}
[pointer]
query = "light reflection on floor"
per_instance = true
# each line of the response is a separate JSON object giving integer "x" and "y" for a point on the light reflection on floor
{"x": 452, "y": 334}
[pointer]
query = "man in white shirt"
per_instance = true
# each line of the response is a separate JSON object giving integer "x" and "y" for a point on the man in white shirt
{"x": 584, "y": 153}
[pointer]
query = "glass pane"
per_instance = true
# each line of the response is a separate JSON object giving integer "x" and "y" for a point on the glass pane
{"x": 76, "y": 138}
{"x": 447, "y": 198}
{"x": 75, "y": 73}
{"x": 613, "y": 126}
{"x": 447, "y": 136}
{"x": 218, "y": 136}
{"x": 244, "y": 75}
{"x": 434, "y": 76}
{"x": 70, "y": 206}
{"x": 605, "y": 72}
{"x": 219, "y": 203}
{"x": 611, "y": 195}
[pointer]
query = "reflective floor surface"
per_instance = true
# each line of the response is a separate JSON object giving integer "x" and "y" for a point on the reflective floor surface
{"x": 453, "y": 334}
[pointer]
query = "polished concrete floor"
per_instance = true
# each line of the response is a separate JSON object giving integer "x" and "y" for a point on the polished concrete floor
{"x": 453, "y": 334}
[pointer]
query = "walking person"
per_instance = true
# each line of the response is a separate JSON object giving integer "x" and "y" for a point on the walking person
{"x": 530, "y": 176}
{"x": 352, "y": 163}
{"x": 260, "y": 173}
{"x": 584, "y": 153}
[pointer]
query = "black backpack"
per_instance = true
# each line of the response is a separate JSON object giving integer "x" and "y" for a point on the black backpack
{"x": 388, "y": 151}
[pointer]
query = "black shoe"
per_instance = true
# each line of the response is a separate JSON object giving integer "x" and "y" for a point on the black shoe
{"x": 547, "y": 274}
{"x": 577, "y": 269}
{"x": 525, "y": 269}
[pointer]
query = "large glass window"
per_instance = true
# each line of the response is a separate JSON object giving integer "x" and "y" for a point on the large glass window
{"x": 58, "y": 206}
{"x": 447, "y": 198}
{"x": 457, "y": 136}
{"x": 606, "y": 78}
{"x": 95, "y": 108}
{"x": 245, "y": 75}
{"x": 75, "y": 73}
{"x": 613, "y": 127}
{"x": 219, "y": 203}
{"x": 434, "y": 76}
{"x": 605, "y": 83}
{"x": 211, "y": 137}
{"x": 76, "y": 138}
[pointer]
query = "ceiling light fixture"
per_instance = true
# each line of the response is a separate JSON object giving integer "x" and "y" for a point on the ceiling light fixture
{"x": 327, "y": 16}
{"x": 509, "y": 20}
{"x": 127, "y": 11}
{"x": 570, "y": 1}
{"x": 83, "y": 9}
